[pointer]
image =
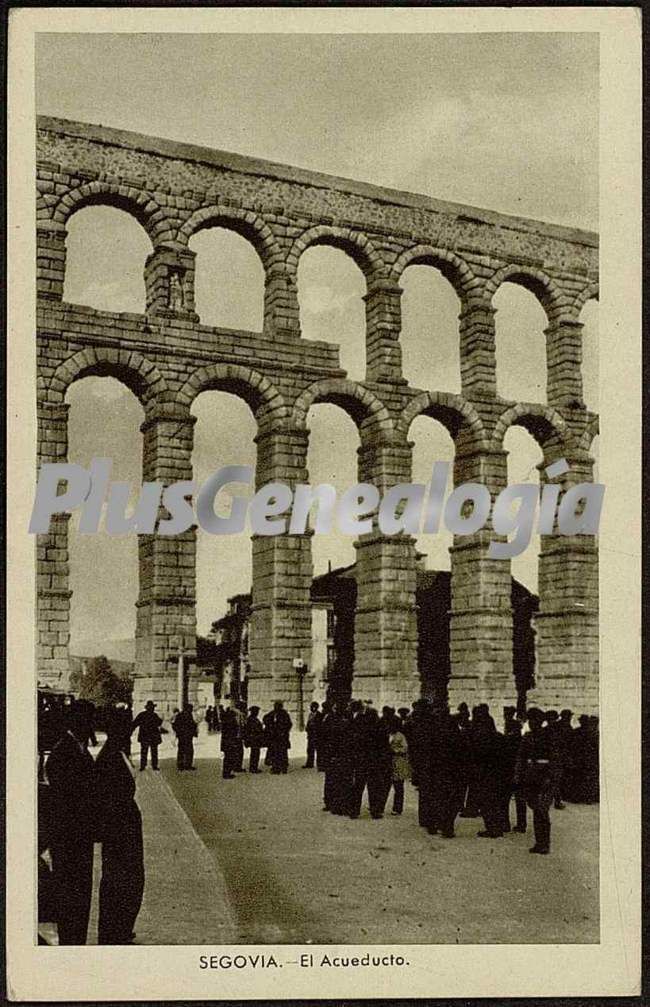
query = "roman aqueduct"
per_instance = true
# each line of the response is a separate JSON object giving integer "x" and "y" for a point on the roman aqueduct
{"x": 167, "y": 357}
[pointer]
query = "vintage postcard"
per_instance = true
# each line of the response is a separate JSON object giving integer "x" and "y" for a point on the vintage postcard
{"x": 324, "y": 510}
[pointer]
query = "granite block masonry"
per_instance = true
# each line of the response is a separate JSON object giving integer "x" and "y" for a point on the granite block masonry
{"x": 167, "y": 357}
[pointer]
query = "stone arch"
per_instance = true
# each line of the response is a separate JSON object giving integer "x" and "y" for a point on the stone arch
{"x": 354, "y": 243}
{"x": 128, "y": 366}
{"x": 543, "y": 423}
{"x": 358, "y": 402}
{"x": 243, "y": 222}
{"x": 539, "y": 283}
{"x": 136, "y": 202}
{"x": 260, "y": 394}
{"x": 453, "y": 268}
{"x": 588, "y": 293}
{"x": 452, "y": 411}
{"x": 591, "y": 430}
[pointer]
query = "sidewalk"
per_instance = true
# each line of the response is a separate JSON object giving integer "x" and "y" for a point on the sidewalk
{"x": 185, "y": 898}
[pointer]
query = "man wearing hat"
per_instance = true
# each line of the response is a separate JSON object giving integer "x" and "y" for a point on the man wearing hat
{"x": 148, "y": 723}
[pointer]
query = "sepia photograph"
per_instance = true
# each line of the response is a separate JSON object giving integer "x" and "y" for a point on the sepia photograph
{"x": 316, "y": 497}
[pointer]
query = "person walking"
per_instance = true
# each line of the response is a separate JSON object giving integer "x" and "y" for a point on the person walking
{"x": 148, "y": 724}
{"x": 122, "y": 881}
{"x": 253, "y": 738}
{"x": 186, "y": 730}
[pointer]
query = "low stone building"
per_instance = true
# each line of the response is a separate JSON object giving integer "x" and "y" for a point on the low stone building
{"x": 334, "y": 600}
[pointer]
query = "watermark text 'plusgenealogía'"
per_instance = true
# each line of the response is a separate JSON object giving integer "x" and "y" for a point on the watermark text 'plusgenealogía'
{"x": 278, "y": 509}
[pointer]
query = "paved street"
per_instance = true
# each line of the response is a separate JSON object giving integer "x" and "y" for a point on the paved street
{"x": 291, "y": 873}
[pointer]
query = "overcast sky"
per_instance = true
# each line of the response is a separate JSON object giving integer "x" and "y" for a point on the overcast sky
{"x": 507, "y": 122}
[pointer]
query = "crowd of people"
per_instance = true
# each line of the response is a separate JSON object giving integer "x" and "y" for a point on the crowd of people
{"x": 240, "y": 728}
{"x": 459, "y": 764}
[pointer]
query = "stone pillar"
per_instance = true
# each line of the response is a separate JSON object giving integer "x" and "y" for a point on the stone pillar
{"x": 564, "y": 363}
{"x": 477, "y": 349}
{"x": 169, "y": 283}
{"x": 385, "y": 627}
{"x": 166, "y": 616}
{"x": 50, "y": 259}
{"x": 481, "y": 604}
{"x": 383, "y": 328}
{"x": 282, "y": 576}
{"x": 281, "y": 310}
{"x": 567, "y": 622}
{"x": 52, "y": 560}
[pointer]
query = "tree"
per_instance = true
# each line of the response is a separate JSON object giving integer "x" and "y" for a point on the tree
{"x": 100, "y": 684}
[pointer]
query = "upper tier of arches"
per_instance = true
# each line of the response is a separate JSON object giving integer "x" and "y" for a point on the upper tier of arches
{"x": 280, "y": 245}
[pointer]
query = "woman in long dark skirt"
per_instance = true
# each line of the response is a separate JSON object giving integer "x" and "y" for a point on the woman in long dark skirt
{"x": 122, "y": 883}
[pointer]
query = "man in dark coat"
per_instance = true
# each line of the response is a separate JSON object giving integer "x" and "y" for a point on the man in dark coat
{"x": 185, "y": 729}
{"x": 419, "y": 741}
{"x": 312, "y": 728}
{"x": 72, "y": 780}
{"x": 487, "y": 756}
{"x": 537, "y": 772}
{"x": 554, "y": 729}
{"x": 277, "y": 729}
{"x": 381, "y": 762}
{"x": 506, "y": 775}
{"x": 584, "y": 744}
{"x": 148, "y": 723}
{"x": 331, "y": 736}
{"x": 230, "y": 742}
{"x": 89, "y": 714}
{"x": 122, "y": 883}
{"x": 565, "y": 744}
{"x": 253, "y": 738}
{"x": 359, "y": 746}
{"x": 442, "y": 774}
